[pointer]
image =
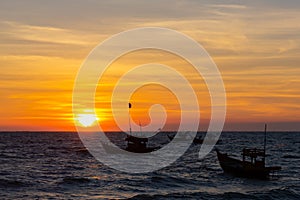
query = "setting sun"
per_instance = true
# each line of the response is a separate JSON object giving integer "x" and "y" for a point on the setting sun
{"x": 87, "y": 120}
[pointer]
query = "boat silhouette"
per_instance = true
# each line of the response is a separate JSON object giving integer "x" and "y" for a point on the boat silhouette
{"x": 133, "y": 143}
{"x": 138, "y": 145}
{"x": 251, "y": 166}
{"x": 196, "y": 140}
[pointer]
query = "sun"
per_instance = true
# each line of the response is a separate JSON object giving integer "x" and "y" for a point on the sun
{"x": 87, "y": 120}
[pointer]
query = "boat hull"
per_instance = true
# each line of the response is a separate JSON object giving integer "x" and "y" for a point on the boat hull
{"x": 135, "y": 149}
{"x": 243, "y": 169}
{"x": 131, "y": 148}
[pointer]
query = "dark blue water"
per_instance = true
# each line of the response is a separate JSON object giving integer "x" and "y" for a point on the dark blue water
{"x": 57, "y": 166}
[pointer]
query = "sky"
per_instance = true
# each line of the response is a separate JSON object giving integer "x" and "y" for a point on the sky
{"x": 255, "y": 44}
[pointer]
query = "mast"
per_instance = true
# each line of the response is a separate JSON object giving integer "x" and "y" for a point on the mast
{"x": 129, "y": 106}
{"x": 265, "y": 140}
{"x": 140, "y": 128}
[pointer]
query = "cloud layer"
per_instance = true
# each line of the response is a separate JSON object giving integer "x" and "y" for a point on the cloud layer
{"x": 256, "y": 45}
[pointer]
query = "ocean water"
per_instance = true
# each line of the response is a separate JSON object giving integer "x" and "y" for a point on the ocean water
{"x": 57, "y": 166}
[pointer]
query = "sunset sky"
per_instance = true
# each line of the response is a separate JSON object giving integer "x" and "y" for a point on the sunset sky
{"x": 255, "y": 44}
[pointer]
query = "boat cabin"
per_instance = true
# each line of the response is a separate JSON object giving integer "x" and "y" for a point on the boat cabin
{"x": 135, "y": 143}
{"x": 256, "y": 156}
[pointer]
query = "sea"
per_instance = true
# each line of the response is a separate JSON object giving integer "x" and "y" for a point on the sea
{"x": 56, "y": 165}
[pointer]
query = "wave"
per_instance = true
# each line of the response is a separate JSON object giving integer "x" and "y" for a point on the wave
{"x": 169, "y": 181}
{"x": 75, "y": 180}
{"x": 195, "y": 195}
{"x": 4, "y": 183}
{"x": 291, "y": 156}
{"x": 276, "y": 194}
{"x": 281, "y": 193}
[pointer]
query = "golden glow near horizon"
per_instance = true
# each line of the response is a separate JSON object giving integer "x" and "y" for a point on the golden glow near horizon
{"x": 256, "y": 46}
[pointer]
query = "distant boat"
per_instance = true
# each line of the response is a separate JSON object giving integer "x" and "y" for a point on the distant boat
{"x": 196, "y": 140}
{"x": 254, "y": 167}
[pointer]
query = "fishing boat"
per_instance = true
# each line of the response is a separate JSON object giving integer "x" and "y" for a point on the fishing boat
{"x": 134, "y": 144}
{"x": 251, "y": 166}
{"x": 137, "y": 144}
{"x": 196, "y": 140}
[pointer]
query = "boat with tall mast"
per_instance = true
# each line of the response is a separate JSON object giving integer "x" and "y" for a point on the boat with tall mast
{"x": 253, "y": 163}
{"x": 137, "y": 144}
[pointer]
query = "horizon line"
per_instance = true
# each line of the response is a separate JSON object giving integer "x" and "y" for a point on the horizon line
{"x": 113, "y": 131}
